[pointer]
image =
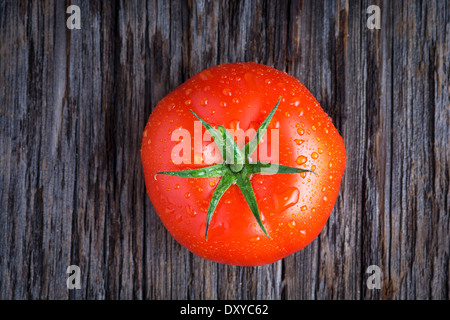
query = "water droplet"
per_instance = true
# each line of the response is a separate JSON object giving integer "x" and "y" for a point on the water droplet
{"x": 295, "y": 101}
{"x": 300, "y": 131}
{"x": 331, "y": 177}
{"x": 314, "y": 155}
{"x": 286, "y": 199}
{"x": 301, "y": 160}
{"x": 234, "y": 124}
{"x": 287, "y": 114}
{"x": 320, "y": 150}
{"x": 259, "y": 180}
{"x": 330, "y": 164}
{"x": 188, "y": 102}
{"x": 223, "y": 104}
{"x": 303, "y": 208}
{"x": 226, "y": 92}
{"x": 187, "y": 195}
{"x": 205, "y": 75}
{"x": 145, "y": 133}
{"x": 313, "y": 128}
{"x": 291, "y": 224}
{"x": 188, "y": 91}
{"x": 325, "y": 198}
{"x": 202, "y": 230}
{"x": 303, "y": 233}
{"x": 212, "y": 183}
{"x": 177, "y": 186}
{"x": 169, "y": 210}
{"x": 299, "y": 141}
{"x": 235, "y": 100}
{"x": 324, "y": 188}
{"x": 204, "y": 101}
{"x": 274, "y": 124}
{"x": 255, "y": 239}
{"x": 191, "y": 211}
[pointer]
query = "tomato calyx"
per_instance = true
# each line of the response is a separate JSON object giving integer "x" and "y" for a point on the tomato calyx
{"x": 236, "y": 168}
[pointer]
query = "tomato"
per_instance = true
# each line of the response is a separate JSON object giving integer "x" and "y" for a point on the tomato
{"x": 233, "y": 213}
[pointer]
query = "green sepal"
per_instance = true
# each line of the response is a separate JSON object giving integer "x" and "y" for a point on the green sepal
{"x": 215, "y": 134}
{"x": 232, "y": 151}
{"x": 217, "y": 170}
{"x": 270, "y": 168}
{"x": 243, "y": 182}
{"x": 251, "y": 146}
{"x": 225, "y": 182}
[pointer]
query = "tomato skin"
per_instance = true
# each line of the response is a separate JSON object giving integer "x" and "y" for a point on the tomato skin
{"x": 294, "y": 207}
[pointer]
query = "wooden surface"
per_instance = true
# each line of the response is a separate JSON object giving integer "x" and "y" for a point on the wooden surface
{"x": 73, "y": 104}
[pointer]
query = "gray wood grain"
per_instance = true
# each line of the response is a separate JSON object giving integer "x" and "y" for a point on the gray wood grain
{"x": 73, "y": 104}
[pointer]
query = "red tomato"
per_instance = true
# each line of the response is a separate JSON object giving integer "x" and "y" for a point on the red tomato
{"x": 293, "y": 207}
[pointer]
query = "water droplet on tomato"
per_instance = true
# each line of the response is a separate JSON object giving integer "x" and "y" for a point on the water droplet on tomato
{"x": 301, "y": 160}
{"x": 234, "y": 124}
{"x": 291, "y": 224}
{"x": 202, "y": 230}
{"x": 299, "y": 141}
{"x": 314, "y": 155}
{"x": 191, "y": 212}
{"x": 205, "y": 75}
{"x": 295, "y": 101}
{"x": 226, "y": 92}
{"x": 320, "y": 150}
{"x": 177, "y": 186}
{"x": 286, "y": 199}
{"x": 303, "y": 208}
{"x": 274, "y": 123}
{"x": 204, "y": 101}
{"x": 187, "y": 195}
{"x": 300, "y": 131}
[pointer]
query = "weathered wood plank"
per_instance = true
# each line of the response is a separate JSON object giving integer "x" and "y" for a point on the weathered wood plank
{"x": 73, "y": 104}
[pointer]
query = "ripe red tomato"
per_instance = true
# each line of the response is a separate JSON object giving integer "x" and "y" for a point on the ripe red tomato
{"x": 292, "y": 208}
